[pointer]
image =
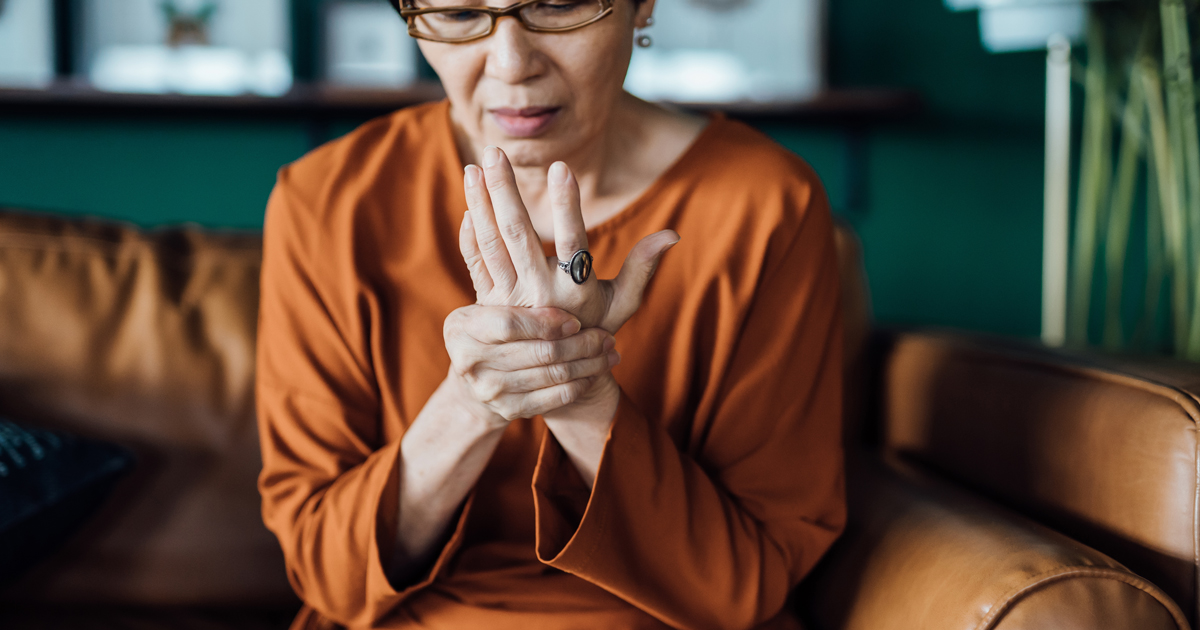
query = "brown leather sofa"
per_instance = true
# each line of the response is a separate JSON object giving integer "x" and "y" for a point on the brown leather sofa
{"x": 992, "y": 483}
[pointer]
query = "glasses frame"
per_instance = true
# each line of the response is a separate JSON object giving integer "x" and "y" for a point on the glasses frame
{"x": 513, "y": 10}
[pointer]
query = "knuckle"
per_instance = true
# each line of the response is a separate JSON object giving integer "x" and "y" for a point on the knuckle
{"x": 474, "y": 201}
{"x": 458, "y": 358}
{"x": 514, "y": 407}
{"x": 488, "y": 390}
{"x": 453, "y": 323}
{"x": 496, "y": 184}
{"x": 545, "y": 353}
{"x": 508, "y": 328}
{"x": 455, "y": 342}
{"x": 567, "y": 394}
{"x": 595, "y": 344}
{"x": 506, "y": 410}
{"x": 559, "y": 373}
{"x": 513, "y": 232}
{"x": 462, "y": 371}
{"x": 473, "y": 259}
{"x": 489, "y": 245}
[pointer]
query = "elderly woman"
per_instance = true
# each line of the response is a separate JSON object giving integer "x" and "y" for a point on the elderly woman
{"x": 465, "y": 425}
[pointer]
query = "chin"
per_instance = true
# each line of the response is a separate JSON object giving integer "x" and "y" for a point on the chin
{"x": 530, "y": 152}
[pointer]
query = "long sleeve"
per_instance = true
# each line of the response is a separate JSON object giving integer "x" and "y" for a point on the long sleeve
{"x": 329, "y": 482}
{"x": 715, "y": 533}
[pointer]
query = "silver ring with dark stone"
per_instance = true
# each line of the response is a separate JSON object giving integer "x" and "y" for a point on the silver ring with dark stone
{"x": 579, "y": 267}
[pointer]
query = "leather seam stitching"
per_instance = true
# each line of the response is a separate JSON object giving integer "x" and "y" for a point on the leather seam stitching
{"x": 1010, "y": 599}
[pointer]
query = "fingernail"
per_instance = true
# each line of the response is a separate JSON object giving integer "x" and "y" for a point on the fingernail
{"x": 571, "y": 327}
{"x": 609, "y": 344}
{"x": 558, "y": 173}
{"x": 471, "y": 175}
{"x": 613, "y": 358}
{"x": 491, "y": 157}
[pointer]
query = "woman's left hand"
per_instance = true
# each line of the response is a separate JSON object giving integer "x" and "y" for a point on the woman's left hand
{"x": 504, "y": 252}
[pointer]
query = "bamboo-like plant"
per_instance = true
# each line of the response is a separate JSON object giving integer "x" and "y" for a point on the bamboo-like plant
{"x": 1139, "y": 83}
{"x": 1095, "y": 169}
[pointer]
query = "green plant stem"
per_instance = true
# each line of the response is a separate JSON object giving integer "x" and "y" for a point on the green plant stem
{"x": 1174, "y": 235}
{"x": 1147, "y": 334}
{"x": 1185, "y": 137}
{"x": 1095, "y": 170}
{"x": 1121, "y": 212}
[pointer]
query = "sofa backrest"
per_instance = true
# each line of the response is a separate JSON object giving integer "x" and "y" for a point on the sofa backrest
{"x": 1102, "y": 449}
{"x": 145, "y": 339}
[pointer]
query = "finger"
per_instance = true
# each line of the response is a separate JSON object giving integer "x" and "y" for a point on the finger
{"x": 542, "y": 401}
{"x": 570, "y": 234}
{"x": 636, "y": 272}
{"x": 533, "y": 379}
{"x": 505, "y": 324}
{"x": 469, "y": 247}
{"x": 524, "y": 246}
{"x": 487, "y": 234}
{"x": 520, "y": 355}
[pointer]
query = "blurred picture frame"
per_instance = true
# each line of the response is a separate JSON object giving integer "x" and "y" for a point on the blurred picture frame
{"x": 366, "y": 45}
{"x": 26, "y": 43}
{"x": 198, "y": 47}
{"x": 715, "y": 51}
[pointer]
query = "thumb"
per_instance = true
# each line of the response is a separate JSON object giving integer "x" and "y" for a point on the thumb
{"x": 639, "y": 268}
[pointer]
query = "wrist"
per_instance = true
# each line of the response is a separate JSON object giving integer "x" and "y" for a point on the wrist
{"x": 598, "y": 405}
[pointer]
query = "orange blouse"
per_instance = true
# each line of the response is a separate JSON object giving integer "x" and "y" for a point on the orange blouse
{"x": 721, "y": 482}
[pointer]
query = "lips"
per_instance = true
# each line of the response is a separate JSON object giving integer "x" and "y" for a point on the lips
{"x": 525, "y": 122}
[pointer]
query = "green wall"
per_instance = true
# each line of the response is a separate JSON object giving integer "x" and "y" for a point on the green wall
{"x": 950, "y": 211}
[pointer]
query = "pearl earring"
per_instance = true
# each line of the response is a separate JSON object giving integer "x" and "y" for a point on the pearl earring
{"x": 643, "y": 40}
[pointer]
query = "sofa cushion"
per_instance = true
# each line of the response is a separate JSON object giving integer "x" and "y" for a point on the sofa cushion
{"x": 1101, "y": 449}
{"x": 919, "y": 554}
{"x": 147, "y": 340}
{"x": 49, "y": 484}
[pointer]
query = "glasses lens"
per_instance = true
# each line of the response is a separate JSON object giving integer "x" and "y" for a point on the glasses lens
{"x": 452, "y": 25}
{"x": 556, "y": 14}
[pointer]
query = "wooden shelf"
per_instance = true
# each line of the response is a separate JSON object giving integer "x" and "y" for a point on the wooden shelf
{"x": 316, "y": 101}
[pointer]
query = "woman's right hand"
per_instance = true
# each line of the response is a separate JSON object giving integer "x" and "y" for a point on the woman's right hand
{"x": 518, "y": 362}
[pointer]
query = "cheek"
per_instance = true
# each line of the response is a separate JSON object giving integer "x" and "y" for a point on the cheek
{"x": 457, "y": 66}
{"x": 595, "y": 70}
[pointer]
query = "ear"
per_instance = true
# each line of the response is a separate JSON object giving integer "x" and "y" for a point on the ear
{"x": 644, "y": 11}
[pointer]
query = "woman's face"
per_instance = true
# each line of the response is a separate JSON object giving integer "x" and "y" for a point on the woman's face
{"x": 539, "y": 96}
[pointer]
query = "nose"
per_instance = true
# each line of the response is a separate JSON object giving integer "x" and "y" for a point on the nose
{"x": 512, "y": 57}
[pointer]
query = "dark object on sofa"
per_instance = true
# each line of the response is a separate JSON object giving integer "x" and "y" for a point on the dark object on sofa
{"x": 978, "y": 497}
{"x": 50, "y": 483}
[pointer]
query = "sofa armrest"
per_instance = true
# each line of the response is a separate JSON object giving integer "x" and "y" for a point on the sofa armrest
{"x": 918, "y": 554}
{"x": 1103, "y": 449}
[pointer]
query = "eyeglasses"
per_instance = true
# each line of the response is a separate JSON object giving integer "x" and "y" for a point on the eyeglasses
{"x": 456, "y": 25}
